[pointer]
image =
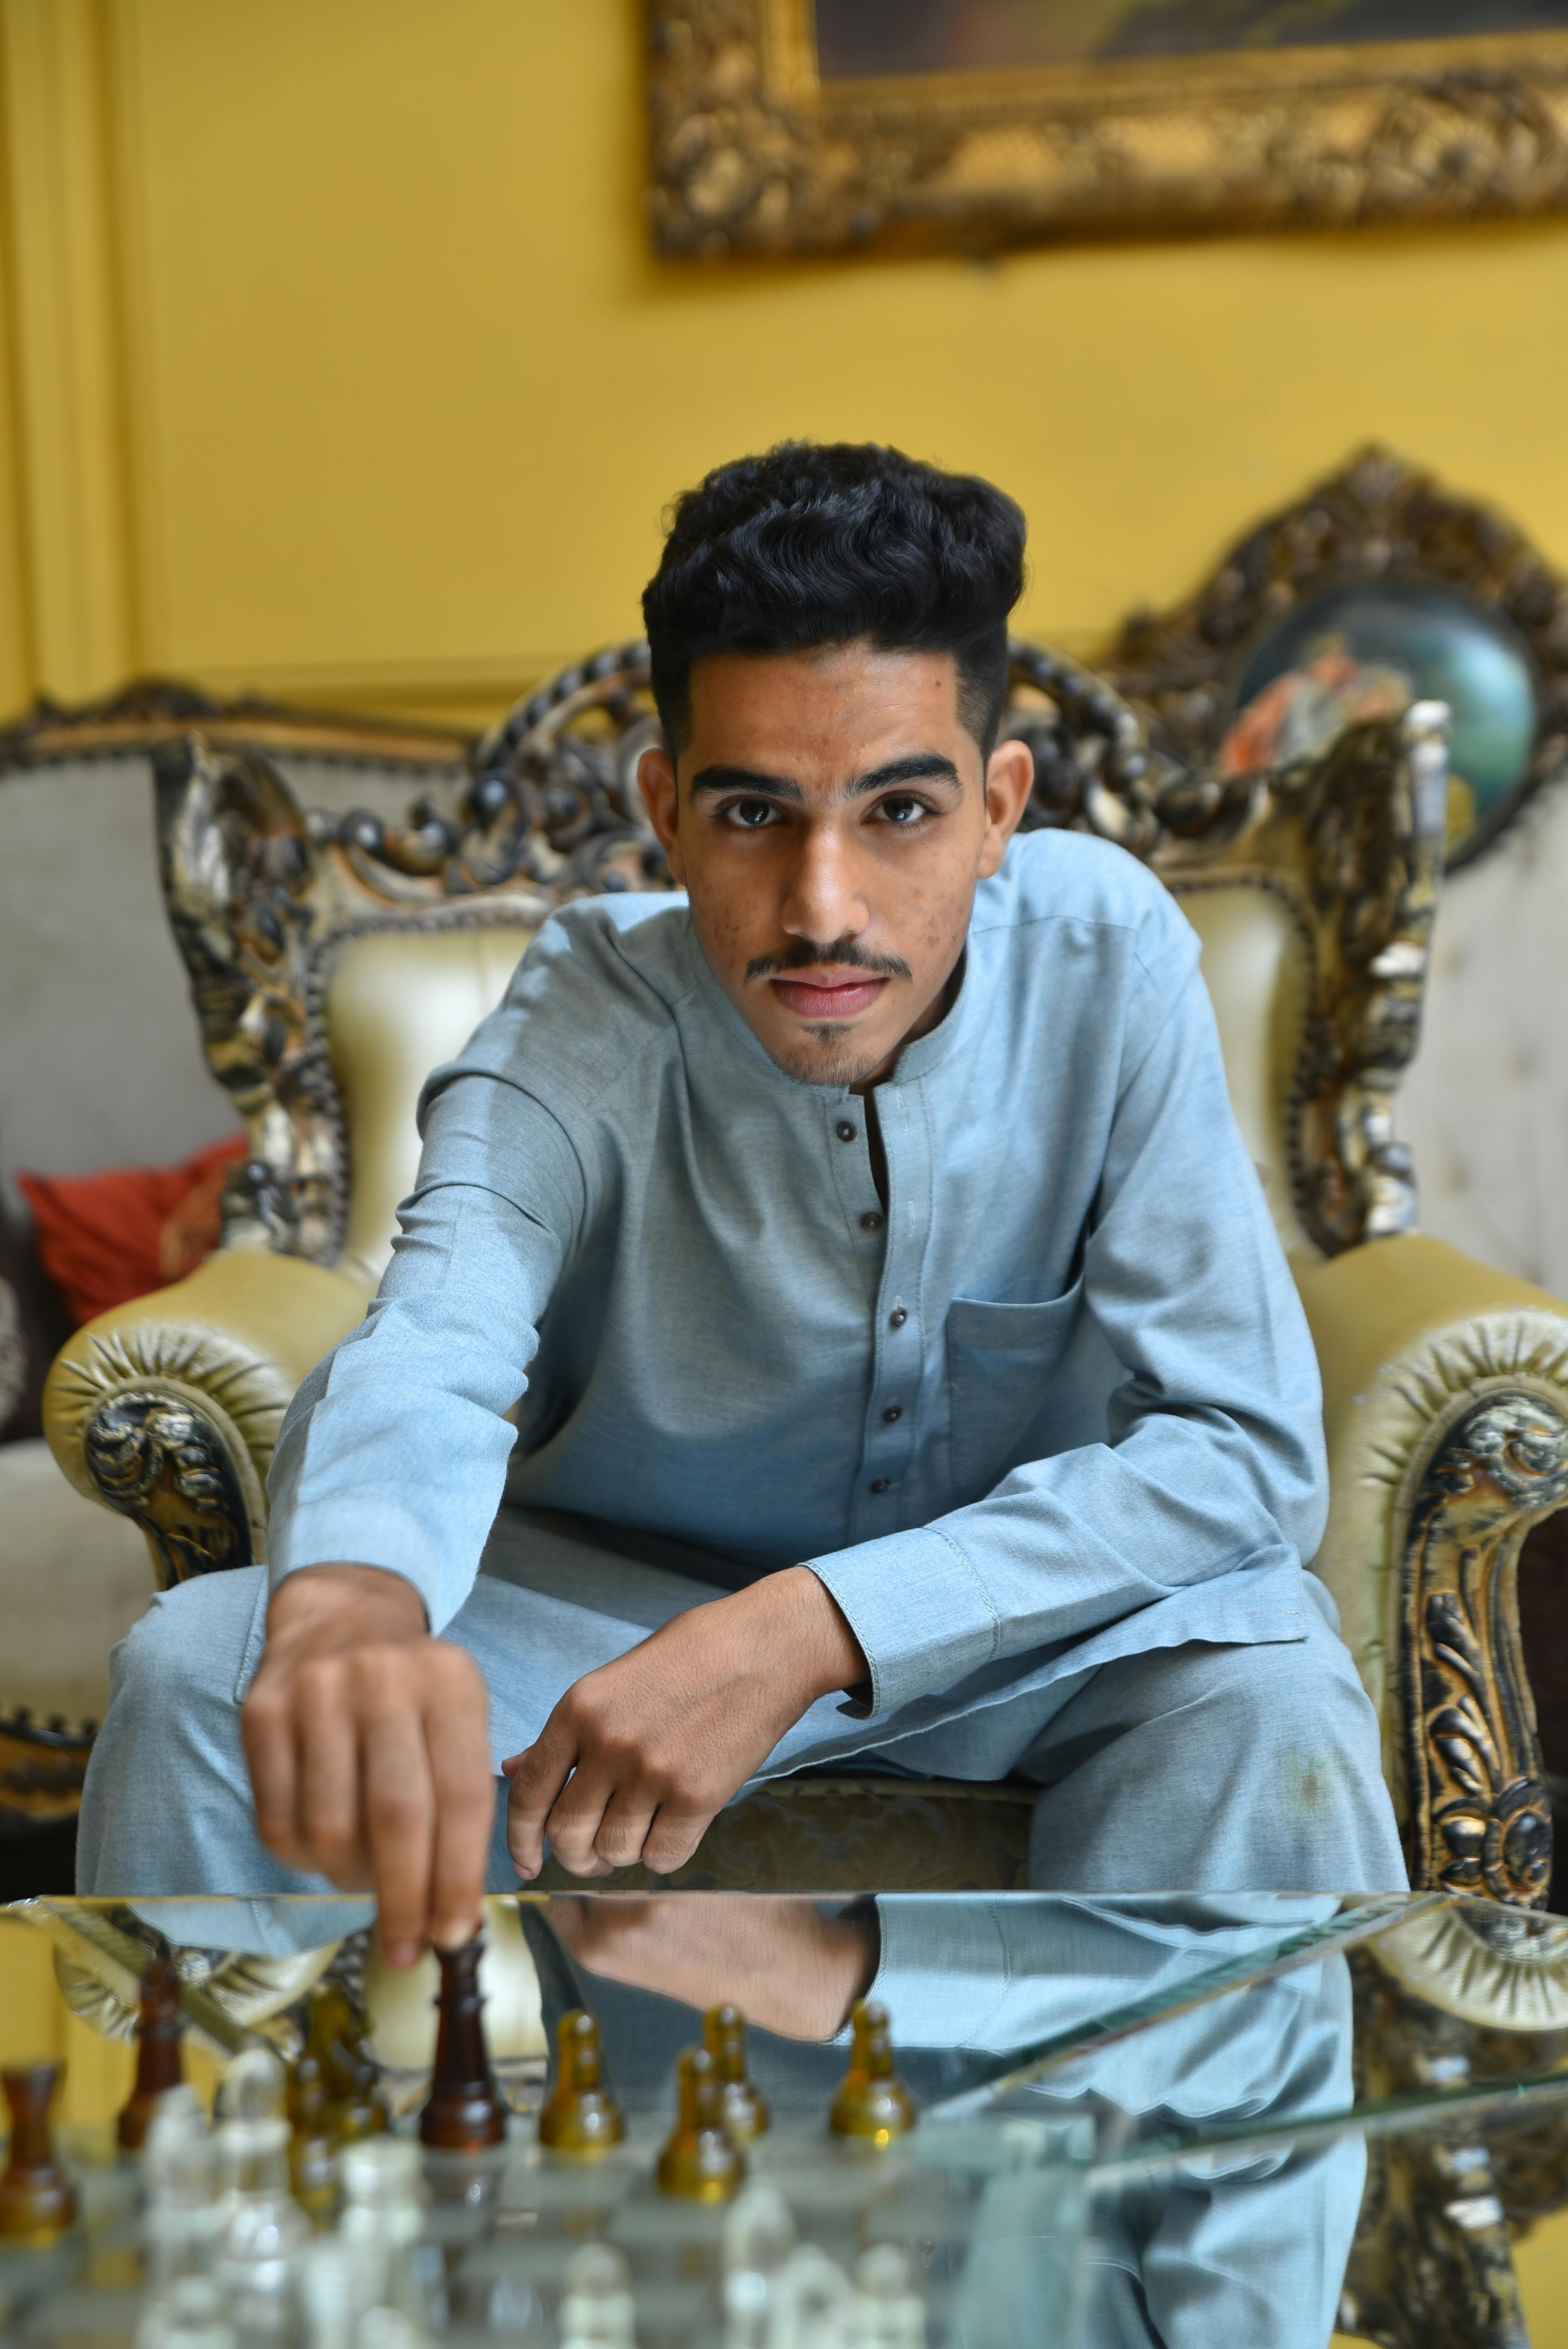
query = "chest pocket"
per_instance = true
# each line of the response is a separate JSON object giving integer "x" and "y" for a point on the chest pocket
{"x": 1005, "y": 1392}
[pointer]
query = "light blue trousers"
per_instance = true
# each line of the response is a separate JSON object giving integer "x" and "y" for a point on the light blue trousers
{"x": 1191, "y": 1767}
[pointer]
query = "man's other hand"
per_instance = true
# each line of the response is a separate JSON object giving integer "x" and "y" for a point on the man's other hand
{"x": 367, "y": 1752}
{"x": 638, "y": 1756}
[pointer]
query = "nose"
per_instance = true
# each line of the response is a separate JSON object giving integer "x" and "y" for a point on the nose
{"x": 823, "y": 899}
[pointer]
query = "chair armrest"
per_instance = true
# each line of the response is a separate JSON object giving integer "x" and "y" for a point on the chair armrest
{"x": 1446, "y": 1410}
{"x": 168, "y": 1409}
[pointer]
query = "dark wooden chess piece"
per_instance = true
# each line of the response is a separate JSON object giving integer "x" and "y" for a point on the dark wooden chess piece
{"x": 37, "y": 2200}
{"x": 745, "y": 2114}
{"x": 872, "y": 2105}
{"x": 465, "y": 2110}
{"x": 158, "y": 2064}
{"x": 700, "y": 2161}
{"x": 581, "y": 2117}
{"x": 354, "y": 2110}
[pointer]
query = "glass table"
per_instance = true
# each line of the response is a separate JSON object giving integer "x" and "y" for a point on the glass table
{"x": 1205, "y": 2121}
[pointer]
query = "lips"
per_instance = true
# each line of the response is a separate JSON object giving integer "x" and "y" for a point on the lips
{"x": 841, "y": 999}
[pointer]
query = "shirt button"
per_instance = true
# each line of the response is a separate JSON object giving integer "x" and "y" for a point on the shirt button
{"x": 898, "y": 1317}
{"x": 894, "y": 1411}
{"x": 882, "y": 1484}
{"x": 872, "y": 1223}
{"x": 845, "y": 1130}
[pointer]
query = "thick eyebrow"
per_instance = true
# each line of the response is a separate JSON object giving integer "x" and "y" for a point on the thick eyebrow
{"x": 921, "y": 766}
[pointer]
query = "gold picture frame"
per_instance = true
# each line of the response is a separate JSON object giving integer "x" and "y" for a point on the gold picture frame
{"x": 753, "y": 151}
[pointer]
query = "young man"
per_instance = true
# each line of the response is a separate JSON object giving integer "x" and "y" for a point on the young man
{"x": 909, "y": 1372}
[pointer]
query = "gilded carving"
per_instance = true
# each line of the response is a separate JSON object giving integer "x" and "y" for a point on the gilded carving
{"x": 1479, "y": 1816}
{"x": 1431, "y": 2263}
{"x": 161, "y": 1460}
{"x": 750, "y": 151}
{"x": 1377, "y": 518}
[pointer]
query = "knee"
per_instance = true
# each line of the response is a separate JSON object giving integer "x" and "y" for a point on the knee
{"x": 1291, "y": 1711}
{"x": 188, "y": 1648}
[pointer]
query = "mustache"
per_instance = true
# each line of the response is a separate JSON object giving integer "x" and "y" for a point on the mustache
{"x": 805, "y": 954}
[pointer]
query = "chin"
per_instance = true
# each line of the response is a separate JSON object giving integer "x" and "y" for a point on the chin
{"x": 832, "y": 1054}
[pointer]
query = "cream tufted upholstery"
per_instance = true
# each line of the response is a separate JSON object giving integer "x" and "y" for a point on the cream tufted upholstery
{"x": 396, "y": 1007}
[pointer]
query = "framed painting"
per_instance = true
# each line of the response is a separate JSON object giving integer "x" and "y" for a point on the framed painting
{"x": 796, "y": 125}
{"x": 1378, "y": 588}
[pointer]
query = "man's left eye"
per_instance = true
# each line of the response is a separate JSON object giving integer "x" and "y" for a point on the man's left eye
{"x": 904, "y": 812}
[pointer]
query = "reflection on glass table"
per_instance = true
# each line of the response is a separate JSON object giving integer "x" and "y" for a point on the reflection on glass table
{"x": 1260, "y": 2120}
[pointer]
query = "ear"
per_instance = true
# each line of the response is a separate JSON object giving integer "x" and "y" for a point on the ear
{"x": 1009, "y": 776}
{"x": 656, "y": 782}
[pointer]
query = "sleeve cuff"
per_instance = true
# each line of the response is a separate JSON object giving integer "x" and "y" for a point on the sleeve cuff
{"x": 361, "y": 1530}
{"x": 920, "y": 1611}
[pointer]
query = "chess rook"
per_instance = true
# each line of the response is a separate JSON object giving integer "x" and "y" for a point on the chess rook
{"x": 38, "y": 2201}
{"x": 158, "y": 2066}
{"x": 581, "y": 2117}
{"x": 465, "y": 2110}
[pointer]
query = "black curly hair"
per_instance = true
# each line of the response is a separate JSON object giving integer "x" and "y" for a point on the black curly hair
{"x": 810, "y": 545}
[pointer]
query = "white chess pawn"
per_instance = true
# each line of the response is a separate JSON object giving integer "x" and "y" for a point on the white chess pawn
{"x": 812, "y": 2302}
{"x": 596, "y": 2309}
{"x": 888, "y": 2310}
{"x": 759, "y": 2237}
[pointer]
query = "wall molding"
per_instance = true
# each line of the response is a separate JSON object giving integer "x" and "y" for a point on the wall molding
{"x": 69, "y": 367}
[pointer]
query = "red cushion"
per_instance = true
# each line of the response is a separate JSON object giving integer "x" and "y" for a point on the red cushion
{"x": 106, "y": 1238}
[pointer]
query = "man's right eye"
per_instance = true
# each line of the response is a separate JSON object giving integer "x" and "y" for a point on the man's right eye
{"x": 751, "y": 815}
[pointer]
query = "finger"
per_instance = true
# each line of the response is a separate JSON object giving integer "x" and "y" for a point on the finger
{"x": 537, "y": 1780}
{"x": 624, "y": 1828}
{"x": 399, "y": 1814}
{"x": 574, "y": 1822}
{"x": 328, "y": 1796}
{"x": 267, "y": 1731}
{"x": 459, "y": 1760}
{"x": 673, "y": 1837}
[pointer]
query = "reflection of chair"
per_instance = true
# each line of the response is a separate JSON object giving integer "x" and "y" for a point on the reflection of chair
{"x": 334, "y": 963}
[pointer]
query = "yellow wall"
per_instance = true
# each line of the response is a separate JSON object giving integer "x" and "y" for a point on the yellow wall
{"x": 338, "y": 364}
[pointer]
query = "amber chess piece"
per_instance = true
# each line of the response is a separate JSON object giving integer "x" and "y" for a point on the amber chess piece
{"x": 700, "y": 2160}
{"x": 313, "y": 2151}
{"x": 745, "y": 2114}
{"x": 354, "y": 2110}
{"x": 158, "y": 2066}
{"x": 872, "y": 2105}
{"x": 465, "y": 2110}
{"x": 581, "y": 2117}
{"x": 37, "y": 2200}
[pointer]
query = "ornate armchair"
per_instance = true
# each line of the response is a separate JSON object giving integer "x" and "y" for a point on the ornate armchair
{"x": 333, "y": 961}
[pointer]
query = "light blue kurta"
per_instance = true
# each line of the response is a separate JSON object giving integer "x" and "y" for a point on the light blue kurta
{"x": 1056, "y": 1405}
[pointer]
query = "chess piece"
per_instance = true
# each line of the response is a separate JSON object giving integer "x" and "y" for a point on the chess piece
{"x": 354, "y": 2109}
{"x": 465, "y": 2110}
{"x": 263, "y": 2227}
{"x": 745, "y": 2114}
{"x": 759, "y": 2237}
{"x": 383, "y": 2219}
{"x": 872, "y": 2105}
{"x": 312, "y": 2149}
{"x": 37, "y": 2200}
{"x": 190, "y": 2317}
{"x": 888, "y": 2310}
{"x": 158, "y": 2067}
{"x": 180, "y": 2222}
{"x": 581, "y": 2117}
{"x": 700, "y": 2160}
{"x": 596, "y": 2306}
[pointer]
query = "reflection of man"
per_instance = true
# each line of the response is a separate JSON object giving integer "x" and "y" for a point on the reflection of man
{"x": 908, "y": 1369}
{"x": 1246, "y": 2244}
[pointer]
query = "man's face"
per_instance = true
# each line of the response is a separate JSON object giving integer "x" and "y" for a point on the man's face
{"x": 831, "y": 818}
